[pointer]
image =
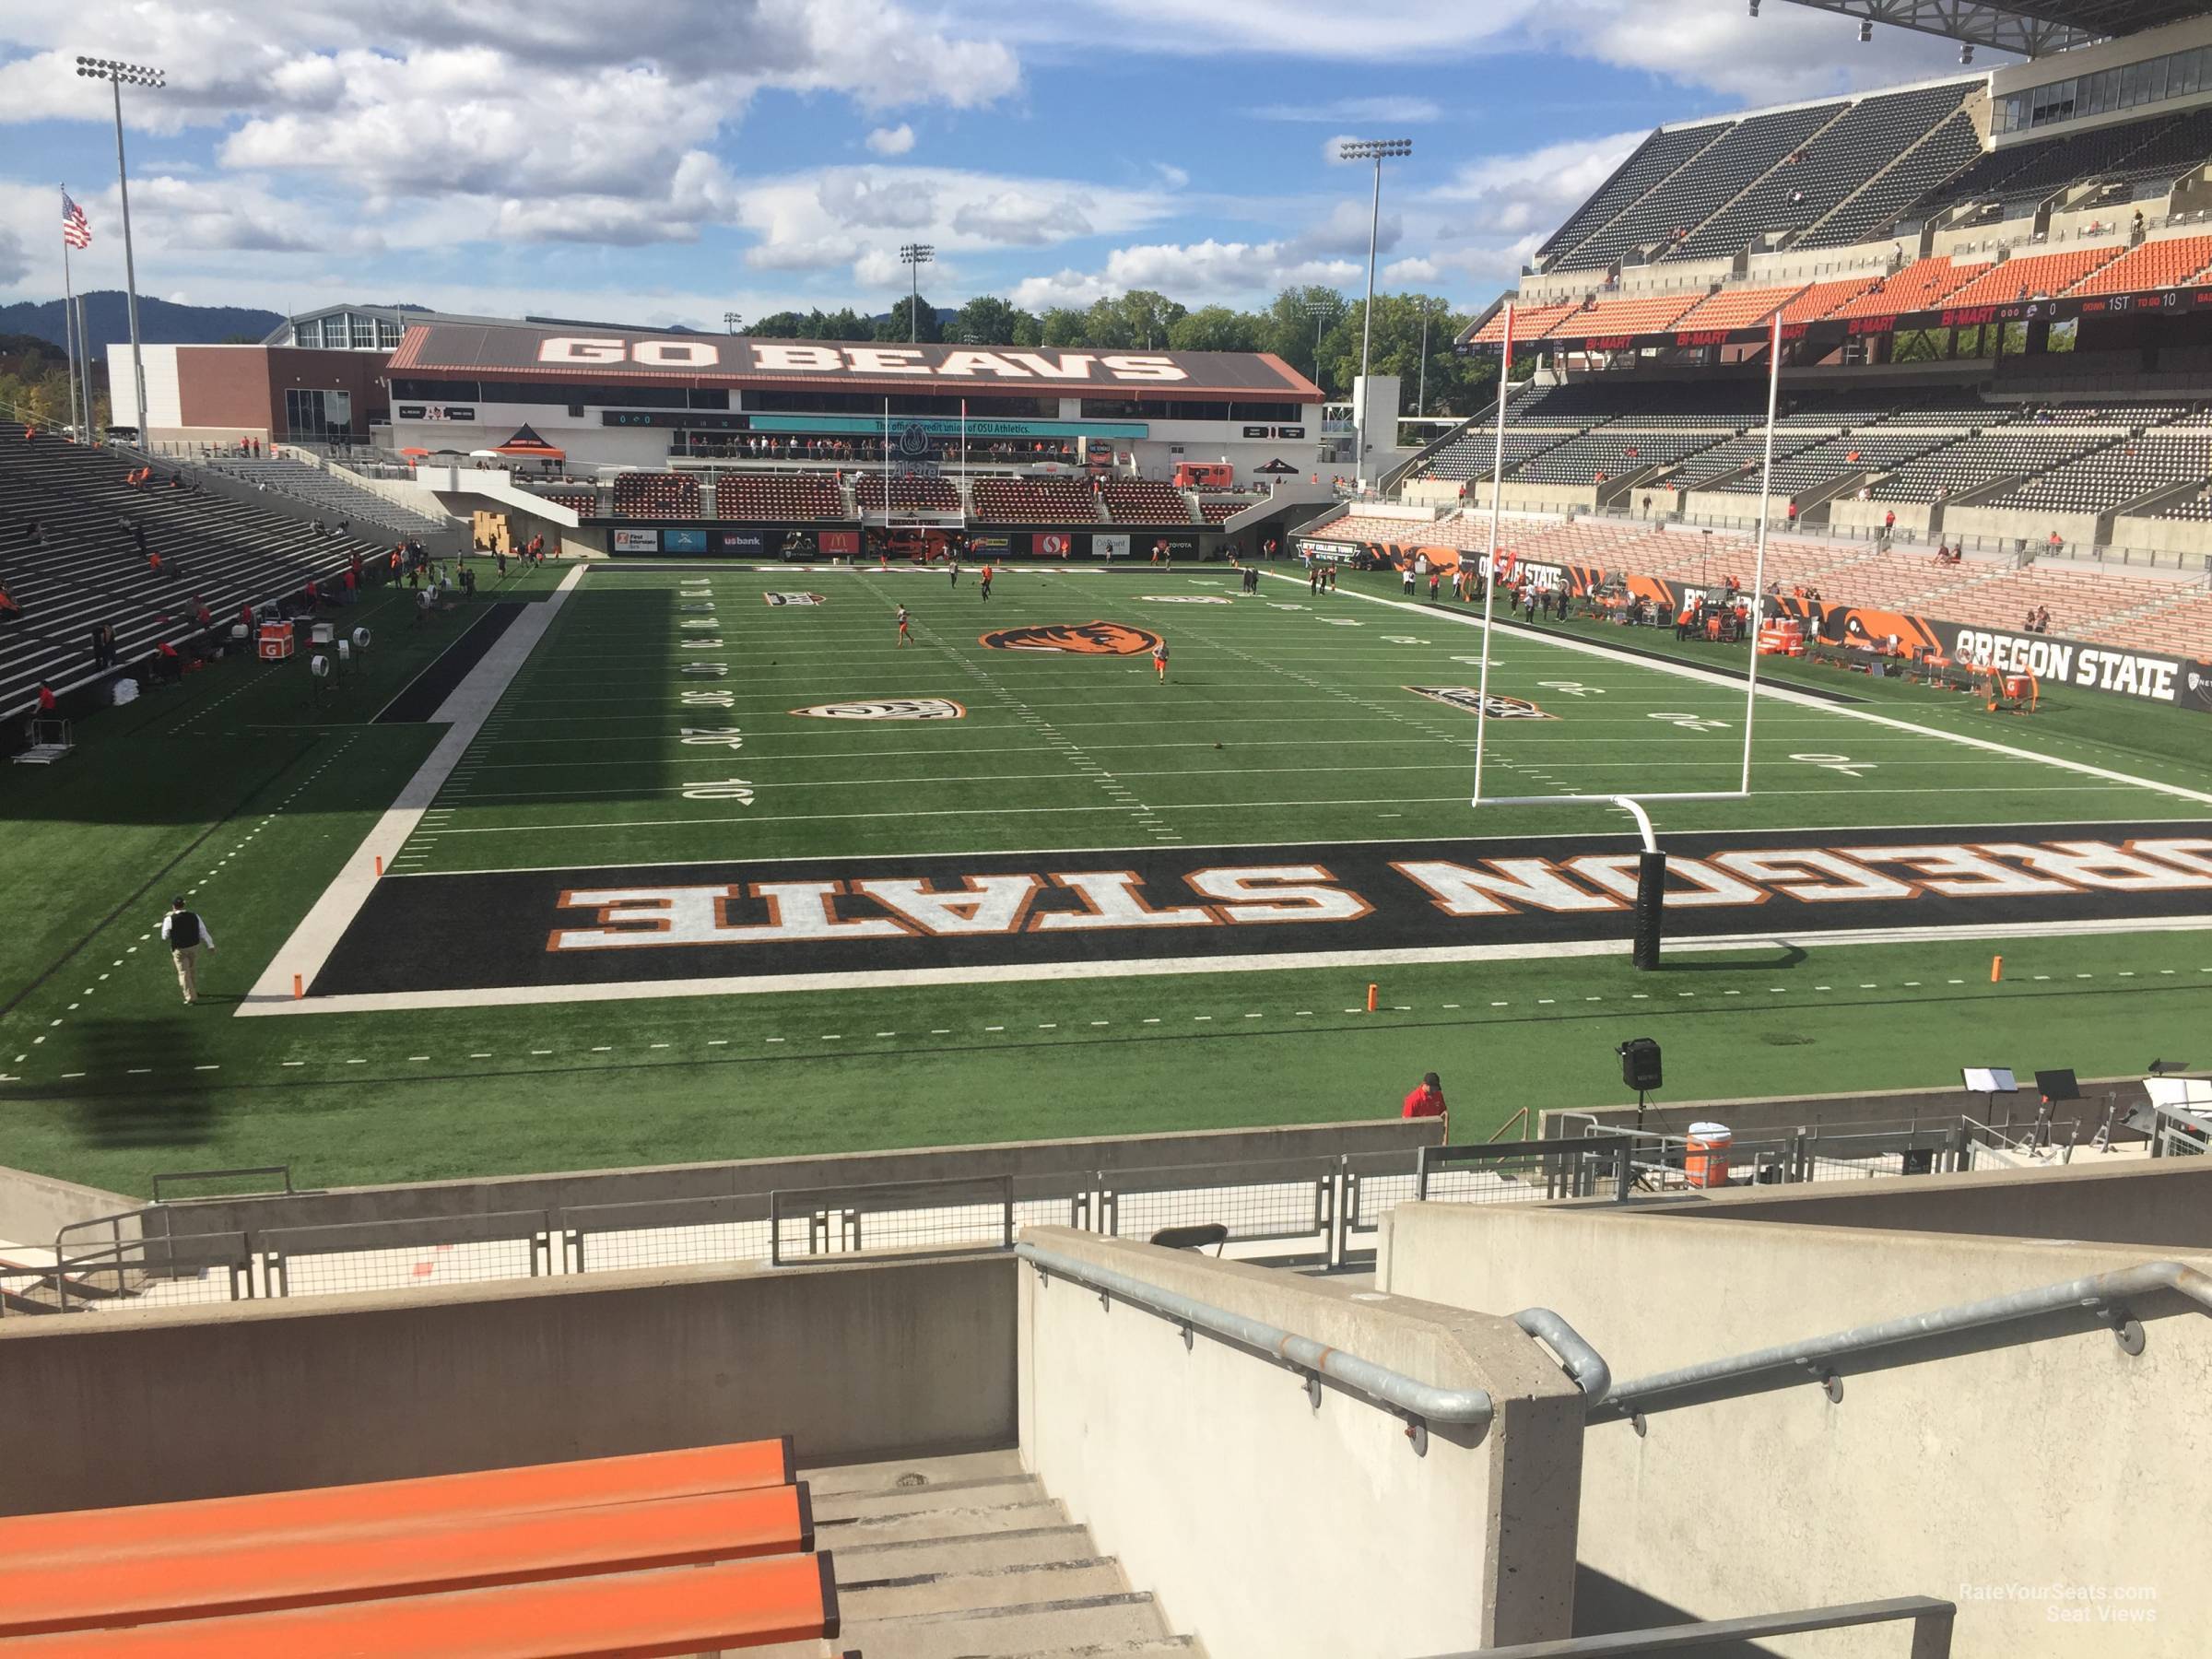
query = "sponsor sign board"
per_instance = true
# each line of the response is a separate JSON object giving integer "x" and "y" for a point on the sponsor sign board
{"x": 637, "y": 541}
{"x": 922, "y": 915}
{"x": 886, "y": 708}
{"x": 836, "y": 542}
{"x": 742, "y": 543}
{"x": 433, "y": 412}
{"x": 1110, "y": 546}
{"x": 1053, "y": 544}
{"x": 683, "y": 541}
{"x": 1074, "y": 638}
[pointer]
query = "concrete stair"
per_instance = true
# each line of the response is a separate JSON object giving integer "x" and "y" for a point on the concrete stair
{"x": 968, "y": 1557}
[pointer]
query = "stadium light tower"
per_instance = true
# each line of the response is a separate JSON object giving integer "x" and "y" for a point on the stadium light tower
{"x": 1377, "y": 150}
{"x": 116, "y": 74}
{"x": 913, "y": 256}
{"x": 731, "y": 321}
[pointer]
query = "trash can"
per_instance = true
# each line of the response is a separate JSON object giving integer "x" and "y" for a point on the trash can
{"x": 1707, "y": 1164}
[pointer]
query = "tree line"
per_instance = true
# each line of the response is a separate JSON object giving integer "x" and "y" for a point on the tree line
{"x": 1315, "y": 330}
{"x": 34, "y": 382}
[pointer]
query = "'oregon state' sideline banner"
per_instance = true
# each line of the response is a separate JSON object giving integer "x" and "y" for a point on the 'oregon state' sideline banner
{"x": 639, "y": 925}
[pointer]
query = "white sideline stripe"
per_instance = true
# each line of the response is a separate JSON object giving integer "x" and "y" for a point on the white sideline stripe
{"x": 1015, "y": 972}
{"x": 466, "y": 709}
{"x": 1767, "y": 688}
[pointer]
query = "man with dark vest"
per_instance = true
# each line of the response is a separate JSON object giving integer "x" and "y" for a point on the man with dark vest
{"x": 184, "y": 933}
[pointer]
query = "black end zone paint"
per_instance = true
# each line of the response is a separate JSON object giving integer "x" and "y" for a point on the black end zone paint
{"x": 427, "y": 692}
{"x": 476, "y": 931}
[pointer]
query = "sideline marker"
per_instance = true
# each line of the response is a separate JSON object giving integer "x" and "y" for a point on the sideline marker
{"x": 1370, "y": 998}
{"x": 299, "y": 990}
{"x": 1996, "y": 969}
{"x": 379, "y": 864}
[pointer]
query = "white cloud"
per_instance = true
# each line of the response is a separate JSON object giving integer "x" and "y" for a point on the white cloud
{"x": 1405, "y": 273}
{"x": 891, "y": 141}
{"x": 14, "y": 265}
{"x": 1173, "y": 177}
{"x": 1062, "y": 288}
{"x": 1345, "y": 232}
{"x": 1189, "y": 272}
{"x": 820, "y": 220}
{"x": 1516, "y": 192}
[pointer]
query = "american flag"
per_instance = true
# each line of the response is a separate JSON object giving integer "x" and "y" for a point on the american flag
{"x": 77, "y": 230}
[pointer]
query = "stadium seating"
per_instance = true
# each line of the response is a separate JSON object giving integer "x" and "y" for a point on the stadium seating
{"x": 2021, "y": 175}
{"x": 1606, "y": 317}
{"x": 1921, "y": 286}
{"x": 2030, "y": 277}
{"x": 584, "y": 504}
{"x": 656, "y": 495}
{"x": 906, "y": 493}
{"x": 1530, "y": 322}
{"x": 1871, "y": 135}
{"x": 1986, "y": 458}
{"x": 337, "y": 497}
{"x": 1826, "y": 299}
{"x": 1695, "y": 192}
{"x": 1144, "y": 501}
{"x": 1703, "y": 470}
{"x": 1821, "y": 464}
{"x": 1653, "y": 159}
{"x": 1612, "y": 451}
{"x": 89, "y": 570}
{"x": 2153, "y": 266}
{"x": 1214, "y": 510}
{"x": 1736, "y": 307}
{"x": 1034, "y": 501}
{"x": 1954, "y": 145}
{"x": 775, "y": 498}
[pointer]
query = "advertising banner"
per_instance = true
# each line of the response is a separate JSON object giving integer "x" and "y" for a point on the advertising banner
{"x": 683, "y": 541}
{"x": 738, "y": 543}
{"x": 839, "y": 543}
{"x": 637, "y": 541}
{"x": 1110, "y": 546}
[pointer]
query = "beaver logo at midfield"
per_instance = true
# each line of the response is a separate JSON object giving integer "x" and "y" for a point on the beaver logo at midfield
{"x": 1075, "y": 639}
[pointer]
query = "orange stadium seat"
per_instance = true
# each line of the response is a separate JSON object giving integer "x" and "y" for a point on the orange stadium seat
{"x": 2034, "y": 277}
{"x": 1034, "y": 501}
{"x": 1530, "y": 324}
{"x": 740, "y": 1467}
{"x": 1921, "y": 286}
{"x": 1609, "y": 317}
{"x": 2156, "y": 265}
{"x": 656, "y": 495}
{"x": 906, "y": 494}
{"x": 1824, "y": 298}
{"x": 719, "y": 1607}
{"x": 100, "y": 1589}
{"x": 1737, "y": 308}
{"x": 777, "y": 496}
{"x": 1134, "y": 502}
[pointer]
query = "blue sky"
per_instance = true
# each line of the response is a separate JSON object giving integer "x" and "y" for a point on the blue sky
{"x": 674, "y": 162}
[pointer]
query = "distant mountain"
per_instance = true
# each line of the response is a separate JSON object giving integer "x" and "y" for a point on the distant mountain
{"x": 107, "y": 321}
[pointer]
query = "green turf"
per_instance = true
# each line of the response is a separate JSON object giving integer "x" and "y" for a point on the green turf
{"x": 241, "y": 787}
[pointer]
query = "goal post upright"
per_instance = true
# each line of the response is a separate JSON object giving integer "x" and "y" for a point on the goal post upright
{"x": 1758, "y": 557}
{"x": 1489, "y": 572}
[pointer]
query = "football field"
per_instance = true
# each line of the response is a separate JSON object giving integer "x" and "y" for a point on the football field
{"x": 714, "y": 866}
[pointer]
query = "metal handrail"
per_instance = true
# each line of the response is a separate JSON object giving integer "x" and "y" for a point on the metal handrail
{"x": 1931, "y": 1621}
{"x": 1426, "y": 1402}
{"x": 2103, "y": 1295}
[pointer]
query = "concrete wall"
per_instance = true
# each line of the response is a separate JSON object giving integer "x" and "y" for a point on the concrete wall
{"x": 1270, "y": 1528}
{"x": 1028, "y": 1160}
{"x": 854, "y": 1362}
{"x": 34, "y": 1206}
{"x": 2065, "y": 1466}
{"x": 2161, "y": 1205}
{"x": 2162, "y": 536}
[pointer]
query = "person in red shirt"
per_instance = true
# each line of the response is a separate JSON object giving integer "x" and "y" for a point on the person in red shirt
{"x": 45, "y": 699}
{"x": 1427, "y": 1101}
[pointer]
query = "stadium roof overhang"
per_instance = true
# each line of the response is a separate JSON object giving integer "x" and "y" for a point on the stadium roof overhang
{"x": 521, "y": 351}
{"x": 2027, "y": 27}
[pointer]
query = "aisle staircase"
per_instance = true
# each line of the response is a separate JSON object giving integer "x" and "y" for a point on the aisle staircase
{"x": 967, "y": 1557}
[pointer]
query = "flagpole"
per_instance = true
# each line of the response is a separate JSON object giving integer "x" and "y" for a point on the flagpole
{"x": 69, "y": 322}
{"x": 84, "y": 338}
{"x": 1490, "y": 586}
{"x": 1759, "y": 561}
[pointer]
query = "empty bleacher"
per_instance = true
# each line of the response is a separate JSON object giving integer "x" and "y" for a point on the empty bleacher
{"x": 1921, "y": 286}
{"x": 1695, "y": 192}
{"x": 2165, "y": 264}
{"x": 1612, "y": 451}
{"x": 905, "y": 493}
{"x": 1604, "y": 318}
{"x": 681, "y": 1551}
{"x": 584, "y": 504}
{"x": 1815, "y": 466}
{"x": 1984, "y": 459}
{"x": 1653, "y": 159}
{"x": 1875, "y": 132}
{"x": 1214, "y": 511}
{"x": 775, "y": 498}
{"x": 2021, "y": 176}
{"x": 338, "y": 497}
{"x": 1144, "y": 501}
{"x": 1954, "y": 146}
{"x": 2030, "y": 277}
{"x": 1034, "y": 501}
{"x": 88, "y": 570}
{"x": 655, "y": 495}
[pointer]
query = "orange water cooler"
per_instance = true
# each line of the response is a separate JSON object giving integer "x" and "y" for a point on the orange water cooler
{"x": 275, "y": 642}
{"x": 1706, "y": 1163}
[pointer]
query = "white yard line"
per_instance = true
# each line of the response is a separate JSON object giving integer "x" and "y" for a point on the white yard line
{"x": 1018, "y": 973}
{"x": 466, "y": 709}
{"x": 1705, "y": 676}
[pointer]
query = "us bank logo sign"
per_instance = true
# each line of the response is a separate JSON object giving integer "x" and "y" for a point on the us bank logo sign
{"x": 795, "y": 923}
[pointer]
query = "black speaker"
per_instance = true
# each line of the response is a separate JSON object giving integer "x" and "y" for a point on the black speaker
{"x": 1639, "y": 1062}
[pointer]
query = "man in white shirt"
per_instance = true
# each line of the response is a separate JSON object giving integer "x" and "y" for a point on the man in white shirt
{"x": 183, "y": 932}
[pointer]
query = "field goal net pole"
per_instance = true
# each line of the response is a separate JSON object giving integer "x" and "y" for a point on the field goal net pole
{"x": 1650, "y": 865}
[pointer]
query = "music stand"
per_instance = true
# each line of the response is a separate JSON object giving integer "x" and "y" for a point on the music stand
{"x": 1992, "y": 1081}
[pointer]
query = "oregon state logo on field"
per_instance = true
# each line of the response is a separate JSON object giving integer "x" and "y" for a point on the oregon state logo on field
{"x": 1075, "y": 639}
